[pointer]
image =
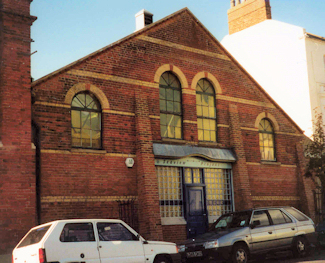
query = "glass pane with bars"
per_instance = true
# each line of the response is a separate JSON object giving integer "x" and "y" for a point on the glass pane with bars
{"x": 170, "y": 191}
{"x": 218, "y": 191}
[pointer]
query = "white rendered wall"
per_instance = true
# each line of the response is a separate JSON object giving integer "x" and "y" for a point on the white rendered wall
{"x": 274, "y": 53}
{"x": 316, "y": 75}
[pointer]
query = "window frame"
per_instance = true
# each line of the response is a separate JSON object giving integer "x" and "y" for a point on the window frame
{"x": 166, "y": 112}
{"x": 273, "y": 140}
{"x": 80, "y": 110}
{"x": 213, "y": 95}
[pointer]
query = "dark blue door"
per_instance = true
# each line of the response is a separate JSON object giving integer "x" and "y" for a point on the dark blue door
{"x": 196, "y": 212}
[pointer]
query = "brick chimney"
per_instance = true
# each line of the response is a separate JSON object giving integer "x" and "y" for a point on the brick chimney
{"x": 246, "y": 13}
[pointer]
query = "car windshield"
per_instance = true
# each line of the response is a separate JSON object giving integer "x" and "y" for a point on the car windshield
{"x": 230, "y": 221}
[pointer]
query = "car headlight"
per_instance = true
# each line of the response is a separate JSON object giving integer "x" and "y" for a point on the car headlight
{"x": 211, "y": 244}
{"x": 181, "y": 248}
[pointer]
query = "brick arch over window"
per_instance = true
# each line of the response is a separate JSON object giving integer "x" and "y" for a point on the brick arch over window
{"x": 208, "y": 76}
{"x": 167, "y": 67}
{"x": 270, "y": 117}
{"x": 80, "y": 87}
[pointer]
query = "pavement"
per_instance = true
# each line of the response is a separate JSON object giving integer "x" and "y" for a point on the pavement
{"x": 286, "y": 257}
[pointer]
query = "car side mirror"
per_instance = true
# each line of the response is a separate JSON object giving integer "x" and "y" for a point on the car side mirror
{"x": 255, "y": 224}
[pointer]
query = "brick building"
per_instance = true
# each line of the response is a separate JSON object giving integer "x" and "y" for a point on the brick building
{"x": 205, "y": 138}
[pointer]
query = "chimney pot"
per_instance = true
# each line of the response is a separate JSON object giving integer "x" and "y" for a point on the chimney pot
{"x": 142, "y": 19}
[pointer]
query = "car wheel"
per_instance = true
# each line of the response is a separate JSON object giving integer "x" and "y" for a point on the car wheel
{"x": 239, "y": 254}
{"x": 299, "y": 248}
{"x": 161, "y": 259}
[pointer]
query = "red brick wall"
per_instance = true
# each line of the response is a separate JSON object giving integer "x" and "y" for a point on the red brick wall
{"x": 17, "y": 161}
{"x": 131, "y": 125}
{"x": 247, "y": 14}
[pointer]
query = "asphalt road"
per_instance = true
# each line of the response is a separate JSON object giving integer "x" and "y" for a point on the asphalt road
{"x": 286, "y": 257}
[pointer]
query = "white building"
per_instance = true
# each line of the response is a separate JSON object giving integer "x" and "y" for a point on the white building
{"x": 286, "y": 61}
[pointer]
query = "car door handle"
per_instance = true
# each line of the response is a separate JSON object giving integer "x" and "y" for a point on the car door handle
{"x": 293, "y": 228}
{"x": 270, "y": 232}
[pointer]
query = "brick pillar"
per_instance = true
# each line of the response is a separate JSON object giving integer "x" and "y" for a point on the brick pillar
{"x": 148, "y": 199}
{"x": 306, "y": 185}
{"x": 243, "y": 198}
{"x": 247, "y": 13}
{"x": 17, "y": 158}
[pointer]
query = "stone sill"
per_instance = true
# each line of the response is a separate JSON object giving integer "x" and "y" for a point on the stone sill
{"x": 270, "y": 162}
{"x": 177, "y": 141}
{"x": 81, "y": 150}
{"x": 210, "y": 144}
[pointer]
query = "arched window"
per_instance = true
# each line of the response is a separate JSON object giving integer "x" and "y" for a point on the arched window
{"x": 266, "y": 133}
{"x": 85, "y": 121}
{"x": 206, "y": 111}
{"x": 170, "y": 106}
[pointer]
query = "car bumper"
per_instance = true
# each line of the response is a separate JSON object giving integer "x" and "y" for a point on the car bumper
{"x": 208, "y": 255}
{"x": 176, "y": 258}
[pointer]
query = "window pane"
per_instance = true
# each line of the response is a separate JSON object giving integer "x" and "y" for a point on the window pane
{"x": 85, "y": 119}
{"x": 85, "y": 138}
{"x": 163, "y": 119}
{"x": 114, "y": 232}
{"x": 77, "y": 232}
{"x": 75, "y": 137}
{"x": 212, "y": 112}
{"x": 178, "y": 133}
{"x": 206, "y": 135}
{"x": 206, "y": 125}
{"x": 199, "y": 110}
{"x": 178, "y": 121}
{"x": 200, "y": 123}
{"x": 170, "y": 106}
{"x": 163, "y": 130}
{"x": 34, "y": 236}
{"x": 177, "y": 107}
{"x": 95, "y": 121}
{"x": 170, "y": 95}
{"x": 212, "y": 125}
{"x": 277, "y": 217}
{"x": 198, "y": 99}
{"x": 200, "y": 135}
{"x": 162, "y": 105}
{"x": 205, "y": 111}
{"x": 75, "y": 118}
{"x": 262, "y": 217}
{"x": 162, "y": 93}
{"x": 171, "y": 131}
{"x": 205, "y": 100}
{"x": 177, "y": 96}
{"x": 79, "y": 101}
{"x": 213, "y": 136}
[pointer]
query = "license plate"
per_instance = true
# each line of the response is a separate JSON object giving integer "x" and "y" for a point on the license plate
{"x": 194, "y": 254}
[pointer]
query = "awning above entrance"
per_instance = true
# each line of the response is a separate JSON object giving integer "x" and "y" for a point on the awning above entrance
{"x": 179, "y": 151}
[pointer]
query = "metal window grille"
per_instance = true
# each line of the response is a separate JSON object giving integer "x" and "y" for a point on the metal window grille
{"x": 218, "y": 191}
{"x": 170, "y": 191}
{"x": 128, "y": 212}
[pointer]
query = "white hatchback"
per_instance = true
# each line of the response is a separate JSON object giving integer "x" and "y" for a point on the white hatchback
{"x": 90, "y": 241}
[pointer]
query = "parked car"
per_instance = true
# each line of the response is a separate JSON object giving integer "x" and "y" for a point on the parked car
{"x": 236, "y": 236}
{"x": 320, "y": 230}
{"x": 91, "y": 241}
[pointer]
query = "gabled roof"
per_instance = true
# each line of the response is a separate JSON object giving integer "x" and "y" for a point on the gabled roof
{"x": 155, "y": 24}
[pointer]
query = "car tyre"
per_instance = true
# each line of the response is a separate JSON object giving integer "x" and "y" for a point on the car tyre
{"x": 239, "y": 254}
{"x": 161, "y": 259}
{"x": 299, "y": 248}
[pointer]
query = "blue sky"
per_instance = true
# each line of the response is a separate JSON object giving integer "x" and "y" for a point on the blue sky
{"x": 67, "y": 30}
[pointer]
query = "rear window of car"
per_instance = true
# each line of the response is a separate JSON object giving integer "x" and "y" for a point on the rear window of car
{"x": 298, "y": 215}
{"x": 34, "y": 236}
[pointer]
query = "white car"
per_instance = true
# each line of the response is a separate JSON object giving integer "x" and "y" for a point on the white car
{"x": 91, "y": 241}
